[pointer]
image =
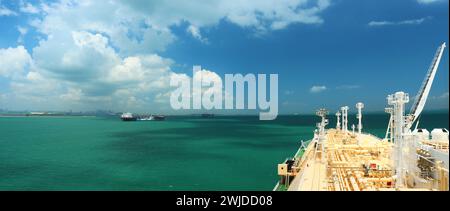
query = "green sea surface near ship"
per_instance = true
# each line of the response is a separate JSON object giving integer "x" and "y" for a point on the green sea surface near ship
{"x": 181, "y": 153}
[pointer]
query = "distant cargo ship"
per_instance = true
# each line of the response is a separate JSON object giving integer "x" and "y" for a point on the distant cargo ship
{"x": 130, "y": 117}
{"x": 208, "y": 115}
{"x": 157, "y": 117}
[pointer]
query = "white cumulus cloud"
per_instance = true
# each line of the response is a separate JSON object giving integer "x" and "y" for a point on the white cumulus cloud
{"x": 22, "y": 32}
{"x": 317, "y": 89}
{"x": 195, "y": 32}
{"x": 27, "y": 7}
{"x": 4, "y": 11}
{"x": 14, "y": 61}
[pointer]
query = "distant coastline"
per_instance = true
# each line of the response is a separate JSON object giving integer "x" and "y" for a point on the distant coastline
{"x": 32, "y": 116}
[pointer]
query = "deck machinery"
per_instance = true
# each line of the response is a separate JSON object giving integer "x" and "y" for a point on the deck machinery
{"x": 405, "y": 160}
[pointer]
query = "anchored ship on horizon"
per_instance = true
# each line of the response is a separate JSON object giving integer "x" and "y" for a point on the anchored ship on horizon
{"x": 341, "y": 160}
{"x": 131, "y": 117}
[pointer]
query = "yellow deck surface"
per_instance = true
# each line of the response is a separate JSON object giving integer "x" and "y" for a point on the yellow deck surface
{"x": 313, "y": 176}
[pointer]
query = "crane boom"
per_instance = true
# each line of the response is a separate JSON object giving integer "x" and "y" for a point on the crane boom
{"x": 421, "y": 97}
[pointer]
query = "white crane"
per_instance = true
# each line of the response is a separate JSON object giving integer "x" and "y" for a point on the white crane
{"x": 421, "y": 97}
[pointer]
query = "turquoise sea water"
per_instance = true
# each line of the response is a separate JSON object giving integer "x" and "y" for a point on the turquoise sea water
{"x": 181, "y": 153}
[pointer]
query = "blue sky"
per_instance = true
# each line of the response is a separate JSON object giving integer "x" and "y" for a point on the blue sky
{"x": 118, "y": 55}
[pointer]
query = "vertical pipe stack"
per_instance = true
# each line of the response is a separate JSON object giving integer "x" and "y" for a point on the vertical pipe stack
{"x": 398, "y": 101}
{"x": 338, "y": 122}
{"x": 345, "y": 118}
{"x": 359, "y": 106}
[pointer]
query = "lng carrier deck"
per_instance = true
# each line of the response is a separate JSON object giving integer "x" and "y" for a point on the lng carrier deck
{"x": 342, "y": 160}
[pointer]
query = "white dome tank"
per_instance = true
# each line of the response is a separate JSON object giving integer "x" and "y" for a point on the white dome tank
{"x": 423, "y": 134}
{"x": 439, "y": 134}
